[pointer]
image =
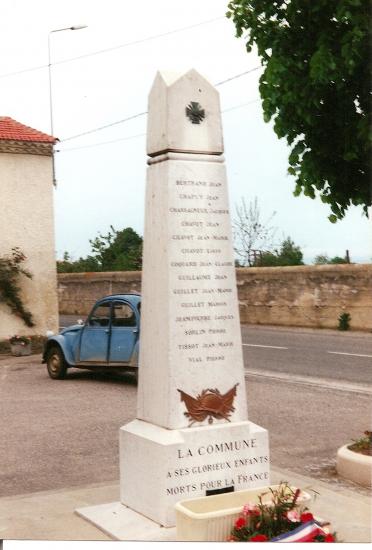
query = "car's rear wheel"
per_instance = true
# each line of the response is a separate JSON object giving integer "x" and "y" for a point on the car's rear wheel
{"x": 56, "y": 363}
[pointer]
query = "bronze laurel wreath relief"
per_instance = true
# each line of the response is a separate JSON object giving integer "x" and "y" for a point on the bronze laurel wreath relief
{"x": 209, "y": 404}
{"x": 194, "y": 112}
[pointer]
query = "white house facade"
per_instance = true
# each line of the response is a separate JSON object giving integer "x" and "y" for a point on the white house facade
{"x": 27, "y": 222}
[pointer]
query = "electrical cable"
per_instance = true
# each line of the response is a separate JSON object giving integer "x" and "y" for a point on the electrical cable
{"x": 106, "y": 50}
{"x": 104, "y": 127}
{"x": 145, "y": 112}
{"x": 143, "y": 134}
{"x": 238, "y": 75}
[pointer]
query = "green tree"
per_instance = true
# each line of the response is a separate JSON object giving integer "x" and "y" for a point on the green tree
{"x": 116, "y": 251}
{"x": 323, "y": 259}
{"x": 67, "y": 265}
{"x": 267, "y": 259}
{"x": 288, "y": 254}
{"x": 338, "y": 260}
{"x": 316, "y": 88}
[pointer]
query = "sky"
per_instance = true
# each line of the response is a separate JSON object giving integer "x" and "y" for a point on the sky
{"x": 101, "y": 75}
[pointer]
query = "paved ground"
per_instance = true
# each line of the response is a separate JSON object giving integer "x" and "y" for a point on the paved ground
{"x": 307, "y": 424}
{"x": 61, "y": 437}
{"x": 65, "y": 433}
{"x": 324, "y": 354}
{"x": 50, "y": 515}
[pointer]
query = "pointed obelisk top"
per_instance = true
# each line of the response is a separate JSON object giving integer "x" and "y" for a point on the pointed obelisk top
{"x": 184, "y": 115}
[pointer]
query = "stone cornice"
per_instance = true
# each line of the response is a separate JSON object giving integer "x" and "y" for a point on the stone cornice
{"x": 26, "y": 147}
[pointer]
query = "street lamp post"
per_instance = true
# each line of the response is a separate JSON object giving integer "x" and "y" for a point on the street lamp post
{"x": 74, "y": 28}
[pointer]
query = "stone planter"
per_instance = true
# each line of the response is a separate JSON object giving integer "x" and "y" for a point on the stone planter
{"x": 20, "y": 349}
{"x": 211, "y": 518}
{"x": 354, "y": 466}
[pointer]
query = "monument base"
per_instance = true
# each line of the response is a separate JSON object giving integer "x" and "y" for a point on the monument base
{"x": 159, "y": 467}
{"x": 121, "y": 523}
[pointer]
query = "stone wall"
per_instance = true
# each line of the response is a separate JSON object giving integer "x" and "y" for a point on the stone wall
{"x": 307, "y": 296}
{"x": 304, "y": 296}
{"x": 77, "y": 292}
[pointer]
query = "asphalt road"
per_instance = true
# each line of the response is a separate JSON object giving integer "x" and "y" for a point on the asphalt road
{"x": 320, "y": 354}
{"x": 64, "y": 433}
{"x": 345, "y": 357}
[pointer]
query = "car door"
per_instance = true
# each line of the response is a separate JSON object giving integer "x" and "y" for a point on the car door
{"x": 95, "y": 337}
{"x": 124, "y": 332}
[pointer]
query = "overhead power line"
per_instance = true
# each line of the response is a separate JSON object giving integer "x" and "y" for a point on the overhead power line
{"x": 113, "y": 48}
{"x": 21, "y": 71}
{"x": 145, "y": 112}
{"x": 238, "y": 75}
{"x": 140, "y": 40}
{"x": 126, "y": 138}
{"x": 100, "y": 143}
{"x": 104, "y": 127}
{"x": 241, "y": 105}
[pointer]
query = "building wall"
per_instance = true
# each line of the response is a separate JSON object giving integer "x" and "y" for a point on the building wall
{"x": 305, "y": 296}
{"x": 26, "y": 221}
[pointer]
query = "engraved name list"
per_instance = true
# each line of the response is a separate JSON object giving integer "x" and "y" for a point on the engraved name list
{"x": 202, "y": 280}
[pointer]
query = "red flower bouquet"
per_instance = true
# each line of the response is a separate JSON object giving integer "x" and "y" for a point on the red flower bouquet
{"x": 278, "y": 520}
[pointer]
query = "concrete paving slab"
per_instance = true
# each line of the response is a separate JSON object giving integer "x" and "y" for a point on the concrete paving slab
{"x": 122, "y": 523}
{"x": 348, "y": 513}
{"x": 50, "y": 515}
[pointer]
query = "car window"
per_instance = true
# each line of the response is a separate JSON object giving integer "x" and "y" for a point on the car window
{"x": 100, "y": 316}
{"x": 123, "y": 315}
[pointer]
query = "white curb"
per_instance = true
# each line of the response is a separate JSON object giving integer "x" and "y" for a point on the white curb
{"x": 354, "y": 466}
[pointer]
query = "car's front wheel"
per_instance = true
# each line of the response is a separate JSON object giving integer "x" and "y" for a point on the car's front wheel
{"x": 56, "y": 363}
{"x": 135, "y": 373}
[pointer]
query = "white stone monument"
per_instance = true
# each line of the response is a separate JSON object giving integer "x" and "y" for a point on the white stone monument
{"x": 192, "y": 436}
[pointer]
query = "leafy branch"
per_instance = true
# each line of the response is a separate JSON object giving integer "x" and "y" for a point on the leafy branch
{"x": 10, "y": 291}
{"x": 316, "y": 89}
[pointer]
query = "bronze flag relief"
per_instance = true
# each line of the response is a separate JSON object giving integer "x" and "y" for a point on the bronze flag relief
{"x": 209, "y": 404}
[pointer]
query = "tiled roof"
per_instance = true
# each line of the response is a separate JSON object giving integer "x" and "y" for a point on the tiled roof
{"x": 10, "y": 129}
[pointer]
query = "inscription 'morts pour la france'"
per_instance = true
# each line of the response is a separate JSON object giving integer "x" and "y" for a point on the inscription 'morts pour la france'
{"x": 194, "y": 112}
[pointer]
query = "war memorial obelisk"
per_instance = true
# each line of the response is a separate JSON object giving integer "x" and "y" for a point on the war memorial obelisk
{"x": 192, "y": 436}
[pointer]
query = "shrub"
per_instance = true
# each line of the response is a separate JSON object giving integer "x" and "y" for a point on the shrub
{"x": 344, "y": 321}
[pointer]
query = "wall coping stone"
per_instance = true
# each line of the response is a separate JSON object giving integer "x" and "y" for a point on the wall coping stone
{"x": 99, "y": 275}
{"x": 305, "y": 268}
